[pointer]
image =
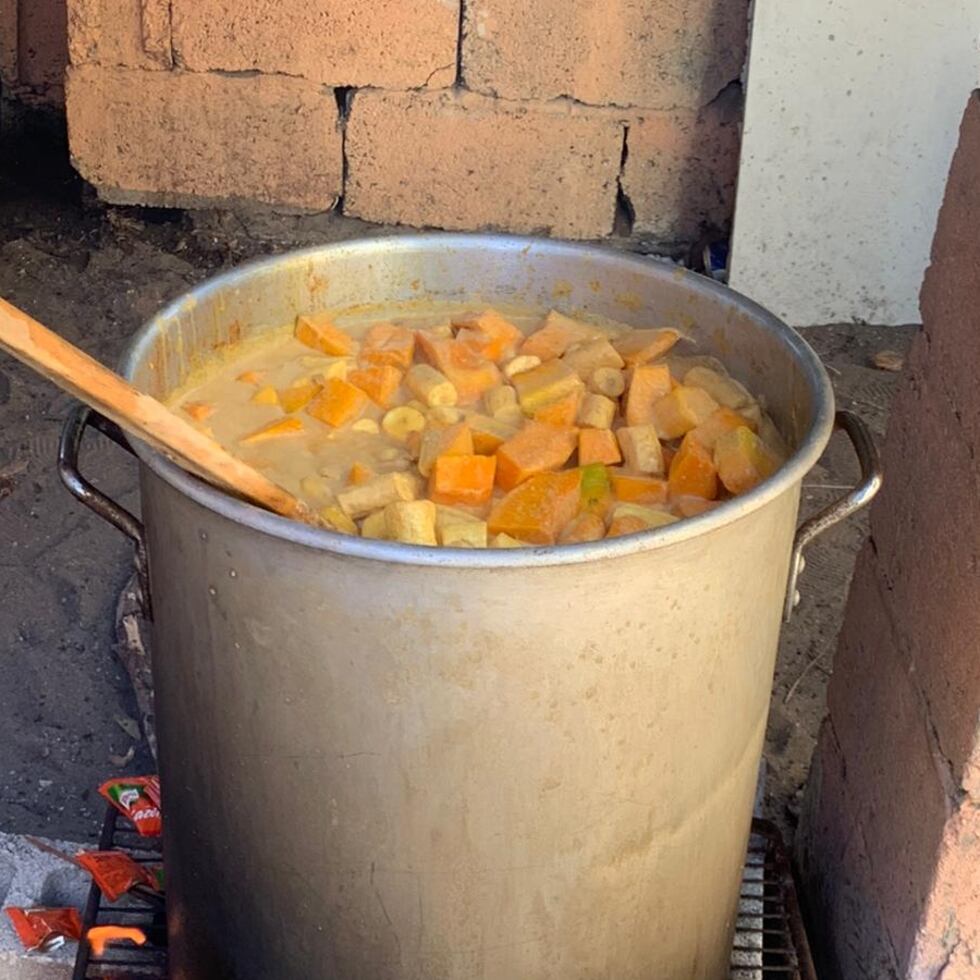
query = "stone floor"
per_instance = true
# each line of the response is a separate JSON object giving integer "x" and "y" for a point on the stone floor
{"x": 94, "y": 274}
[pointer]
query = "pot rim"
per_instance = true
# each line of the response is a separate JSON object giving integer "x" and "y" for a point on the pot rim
{"x": 241, "y": 512}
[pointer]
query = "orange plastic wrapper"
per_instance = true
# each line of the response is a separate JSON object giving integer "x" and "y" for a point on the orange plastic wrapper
{"x": 45, "y": 929}
{"x": 114, "y": 872}
{"x": 138, "y": 798}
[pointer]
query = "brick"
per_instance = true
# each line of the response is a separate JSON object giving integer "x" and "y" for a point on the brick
{"x": 385, "y": 43}
{"x": 461, "y": 161}
{"x": 179, "y": 139}
{"x": 659, "y": 54}
{"x": 41, "y": 47}
{"x": 681, "y": 168}
{"x": 119, "y": 33}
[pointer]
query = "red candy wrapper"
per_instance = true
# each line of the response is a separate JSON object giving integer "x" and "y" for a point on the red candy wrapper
{"x": 45, "y": 929}
{"x": 138, "y": 798}
{"x": 114, "y": 872}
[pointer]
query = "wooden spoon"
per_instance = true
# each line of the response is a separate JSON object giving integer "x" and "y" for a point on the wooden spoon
{"x": 140, "y": 414}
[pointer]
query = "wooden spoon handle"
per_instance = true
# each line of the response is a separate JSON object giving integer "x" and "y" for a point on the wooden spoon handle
{"x": 139, "y": 414}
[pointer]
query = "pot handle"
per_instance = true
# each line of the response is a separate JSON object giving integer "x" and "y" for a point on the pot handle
{"x": 860, "y": 496}
{"x": 79, "y": 419}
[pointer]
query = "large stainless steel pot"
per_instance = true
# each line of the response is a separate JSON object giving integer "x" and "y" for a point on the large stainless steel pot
{"x": 383, "y": 761}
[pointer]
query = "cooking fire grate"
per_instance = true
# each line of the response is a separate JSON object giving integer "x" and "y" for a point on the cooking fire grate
{"x": 770, "y": 941}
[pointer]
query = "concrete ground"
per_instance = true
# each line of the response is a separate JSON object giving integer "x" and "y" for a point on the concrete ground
{"x": 94, "y": 274}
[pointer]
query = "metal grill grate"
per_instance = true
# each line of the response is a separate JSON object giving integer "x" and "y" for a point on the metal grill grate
{"x": 770, "y": 941}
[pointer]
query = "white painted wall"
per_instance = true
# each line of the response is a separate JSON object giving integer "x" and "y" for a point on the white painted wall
{"x": 852, "y": 114}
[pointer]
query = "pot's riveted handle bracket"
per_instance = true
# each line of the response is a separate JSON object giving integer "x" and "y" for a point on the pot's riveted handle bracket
{"x": 79, "y": 419}
{"x": 860, "y": 496}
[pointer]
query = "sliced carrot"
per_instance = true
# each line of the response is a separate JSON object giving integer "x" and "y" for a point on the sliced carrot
{"x": 489, "y": 334}
{"x": 465, "y": 480}
{"x": 545, "y": 384}
{"x": 648, "y": 384}
{"x": 639, "y": 346}
{"x": 743, "y": 460}
{"x": 562, "y": 411}
{"x": 388, "y": 344}
{"x": 359, "y": 474}
{"x": 683, "y": 409}
{"x": 470, "y": 373}
{"x": 693, "y": 472}
{"x": 536, "y": 448}
{"x": 450, "y": 440}
{"x": 319, "y": 333}
{"x": 639, "y": 489}
{"x": 717, "y": 424}
{"x": 585, "y": 527}
{"x": 379, "y": 382}
{"x": 338, "y": 403}
{"x": 298, "y": 396}
{"x": 598, "y": 446}
{"x": 288, "y": 426}
{"x": 556, "y": 334}
{"x": 199, "y": 411}
{"x": 538, "y": 509}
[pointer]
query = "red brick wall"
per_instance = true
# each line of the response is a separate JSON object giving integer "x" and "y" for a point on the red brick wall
{"x": 890, "y": 840}
{"x": 529, "y": 117}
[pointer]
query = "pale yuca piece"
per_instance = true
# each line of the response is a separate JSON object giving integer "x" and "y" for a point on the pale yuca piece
{"x": 648, "y": 383}
{"x": 511, "y": 415}
{"x": 506, "y": 541}
{"x": 585, "y": 359}
{"x": 497, "y": 398}
{"x": 320, "y": 333}
{"x": 199, "y": 411}
{"x": 366, "y": 425}
{"x": 596, "y": 411}
{"x": 411, "y": 522}
{"x": 381, "y": 491}
{"x": 607, "y": 381}
{"x": 337, "y": 520}
{"x": 724, "y": 390}
{"x": 430, "y": 386}
{"x": 556, "y": 334}
{"x": 280, "y": 428}
{"x": 685, "y": 408}
{"x": 639, "y": 346}
{"x": 651, "y": 516}
{"x": 444, "y": 415}
{"x": 520, "y": 364}
{"x": 743, "y": 460}
{"x": 399, "y": 423}
{"x": 546, "y": 383}
{"x": 465, "y": 534}
{"x": 267, "y": 395}
{"x": 598, "y": 446}
{"x": 375, "y": 526}
{"x": 641, "y": 449}
{"x": 338, "y": 403}
{"x": 452, "y": 440}
{"x": 446, "y": 516}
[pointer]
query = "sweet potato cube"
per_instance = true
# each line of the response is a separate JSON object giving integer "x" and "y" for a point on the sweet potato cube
{"x": 451, "y": 440}
{"x": 556, "y": 334}
{"x": 585, "y": 359}
{"x": 287, "y": 426}
{"x": 538, "y": 509}
{"x": 462, "y": 480}
{"x": 598, "y": 446}
{"x": 641, "y": 449}
{"x": 199, "y": 411}
{"x": 743, "y": 461}
{"x": 536, "y": 448}
{"x": 489, "y": 434}
{"x": 411, "y": 522}
{"x": 692, "y": 471}
{"x": 298, "y": 396}
{"x": 388, "y": 344}
{"x": 585, "y": 527}
{"x": 724, "y": 390}
{"x": 648, "y": 384}
{"x": 562, "y": 411}
{"x": 379, "y": 382}
{"x": 470, "y": 373}
{"x": 682, "y": 410}
{"x": 488, "y": 334}
{"x": 338, "y": 403}
{"x": 716, "y": 425}
{"x": 647, "y": 490}
{"x": 319, "y": 333}
{"x": 639, "y": 346}
{"x": 546, "y": 383}
{"x": 337, "y": 520}
{"x": 379, "y": 492}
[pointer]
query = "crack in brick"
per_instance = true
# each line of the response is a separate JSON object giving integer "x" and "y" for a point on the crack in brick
{"x": 624, "y": 216}
{"x": 460, "y": 33}
{"x": 345, "y": 97}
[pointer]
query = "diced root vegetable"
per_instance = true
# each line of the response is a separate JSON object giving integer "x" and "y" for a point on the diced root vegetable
{"x": 641, "y": 449}
{"x": 199, "y": 411}
{"x": 431, "y": 387}
{"x": 536, "y": 448}
{"x": 489, "y": 434}
{"x": 411, "y": 522}
{"x": 447, "y": 515}
{"x": 585, "y": 527}
{"x": 336, "y": 367}
{"x": 598, "y": 446}
{"x": 250, "y": 377}
{"x": 489, "y": 334}
{"x": 337, "y": 520}
{"x": 639, "y": 489}
{"x": 538, "y": 509}
{"x": 298, "y": 396}
{"x": 556, "y": 334}
{"x": 650, "y": 515}
{"x": 692, "y": 471}
{"x": 743, "y": 461}
{"x": 506, "y": 541}
{"x": 320, "y": 334}
{"x": 378, "y": 382}
{"x": 381, "y": 491}
{"x": 597, "y": 411}
{"x": 471, "y": 374}
{"x": 338, "y": 403}
{"x": 585, "y": 359}
{"x": 279, "y": 429}
{"x": 716, "y": 425}
{"x": 360, "y": 474}
{"x": 520, "y": 364}
{"x": 453, "y": 440}
{"x": 648, "y": 384}
{"x": 388, "y": 344}
{"x": 466, "y": 480}
{"x": 400, "y": 423}
{"x": 692, "y": 506}
{"x": 726, "y": 391}
{"x": 511, "y": 415}
{"x": 315, "y": 489}
{"x": 563, "y": 411}
{"x": 375, "y": 526}
{"x": 366, "y": 425}
{"x": 444, "y": 415}
{"x": 682, "y": 410}
{"x": 265, "y": 396}
{"x": 469, "y": 534}
{"x": 640, "y": 346}
{"x": 497, "y": 398}
{"x": 608, "y": 381}
{"x": 544, "y": 384}
{"x": 627, "y": 524}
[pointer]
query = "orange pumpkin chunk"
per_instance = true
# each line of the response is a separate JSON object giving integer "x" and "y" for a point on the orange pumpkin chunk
{"x": 488, "y": 334}
{"x": 288, "y": 426}
{"x": 538, "y": 509}
{"x": 338, "y": 403}
{"x": 562, "y": 411}
{"x": 598, "y": 446}
{"x": 379, "y": 382}
{"x": 471, "y": 373}
{"x": 639, "y": 346}
{"x": 536, "y": 448}
{"x": 717, "y": 424}
{"x": 388, "y": 344}
{"x": 682, "y": 410}
{"x": 743, "y": 460}
{"x": 692, "y": 471}
{"x": 466, "y": 480}
{"x": 450, "y": 440}
{"x": 545, "y": 384}
{"x": 297, "y": 396}
{"x": 585, "y": 527}
{"x": 648, "y": 490}
{"x": 489, "y": 434}
{"x": 556, "y": 334}
{"x": 650, "y": 383}
{"x": 320, "y": 334}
